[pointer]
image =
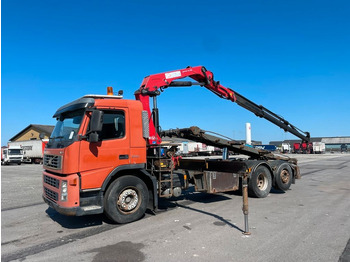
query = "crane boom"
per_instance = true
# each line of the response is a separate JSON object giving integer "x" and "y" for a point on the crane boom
{"x": 153, "y": 85}
{"x": 263, "y": 112}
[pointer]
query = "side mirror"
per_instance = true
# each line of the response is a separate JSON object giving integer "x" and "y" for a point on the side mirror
{"x": 93, "y": 138}
{"x": 41, "y": 135}
{"x": 96, "y": 121}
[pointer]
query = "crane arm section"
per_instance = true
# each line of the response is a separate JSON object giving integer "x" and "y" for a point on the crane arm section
{"x": 153, "y": 85}
{"x": 263, "y": 112}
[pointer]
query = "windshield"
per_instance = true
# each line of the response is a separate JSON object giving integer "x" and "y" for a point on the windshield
{"x": 15, "y": 152}
{"x": 66, "y": 129}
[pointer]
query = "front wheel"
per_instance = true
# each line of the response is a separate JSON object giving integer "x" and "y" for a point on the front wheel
{"x": 126, "y": 199}
{"x": 260, "y": 182}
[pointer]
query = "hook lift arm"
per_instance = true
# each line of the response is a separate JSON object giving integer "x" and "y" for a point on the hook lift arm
{"x": 153, "y": 85}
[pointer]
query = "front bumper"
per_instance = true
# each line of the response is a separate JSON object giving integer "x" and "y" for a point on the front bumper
{"x": 76, "y": 203}
{"x": 74, "y": 211}
{"x": 16, "y": 161}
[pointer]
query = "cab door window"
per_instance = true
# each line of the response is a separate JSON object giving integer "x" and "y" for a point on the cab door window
{"x": 113, "y": 125}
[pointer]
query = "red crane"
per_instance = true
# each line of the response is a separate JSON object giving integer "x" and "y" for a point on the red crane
{"x": 153, "y": 85}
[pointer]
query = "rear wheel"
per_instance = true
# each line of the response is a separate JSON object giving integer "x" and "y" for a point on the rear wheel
{"x": 283, "y": 179}
{"x": 260, "y": 182}
{"x": 126, "y": 199}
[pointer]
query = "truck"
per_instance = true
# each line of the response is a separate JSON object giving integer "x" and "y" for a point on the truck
{"x": 296, "y": 148}
{"x": 11, "y": 154}
{"x": 318, "y": 147}
{"x": 195, "y": 149}
{"x": 305, "y": 147}
{"x": 33, "y": 150}
{"x": 286, "y": 148}
{"x": 343, "y": 148}
{"x": 105, "y": 154}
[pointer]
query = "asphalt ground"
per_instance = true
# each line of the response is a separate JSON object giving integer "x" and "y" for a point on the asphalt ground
{"x": 310, "y": 222}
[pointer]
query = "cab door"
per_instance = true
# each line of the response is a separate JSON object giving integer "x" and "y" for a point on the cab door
{"x": 97, "y": 160}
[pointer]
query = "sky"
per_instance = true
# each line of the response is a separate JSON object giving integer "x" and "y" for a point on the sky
{"x": 292, "y": 57}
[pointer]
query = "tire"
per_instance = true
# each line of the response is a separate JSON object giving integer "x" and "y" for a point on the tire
{"x": 283, "y": 178}
{"x": 126, "y": 199}
{"x": 260, "y": 182}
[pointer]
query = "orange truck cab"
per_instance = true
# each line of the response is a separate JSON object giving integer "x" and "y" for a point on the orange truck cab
{"x": 98, "y": 139}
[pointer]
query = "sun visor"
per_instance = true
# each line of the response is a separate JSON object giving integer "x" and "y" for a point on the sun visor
{"x": 84, "y": 102}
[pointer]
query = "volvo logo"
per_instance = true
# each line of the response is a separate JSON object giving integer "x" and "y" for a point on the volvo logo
{"x": 50, "y": 161}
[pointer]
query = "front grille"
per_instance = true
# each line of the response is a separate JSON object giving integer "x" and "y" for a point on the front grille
{"x": 51, "y": 194}
{"x": 52, "y": 181}
{"x": 53, "y": 161}
{"x": 15, "y": 158}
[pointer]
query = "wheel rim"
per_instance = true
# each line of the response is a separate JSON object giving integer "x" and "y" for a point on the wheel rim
{"x": 262, "y": 181}
{"x": 285, "y": 176}
{"x": 128, "y": 200}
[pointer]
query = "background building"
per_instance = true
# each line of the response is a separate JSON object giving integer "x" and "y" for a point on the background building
{"x": 32, "y": 132}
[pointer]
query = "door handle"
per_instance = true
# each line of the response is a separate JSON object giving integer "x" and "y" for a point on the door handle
{"x": 123, "y": 157}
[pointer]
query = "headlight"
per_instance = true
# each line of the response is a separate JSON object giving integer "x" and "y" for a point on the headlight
{"x": 64, "y": 191}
